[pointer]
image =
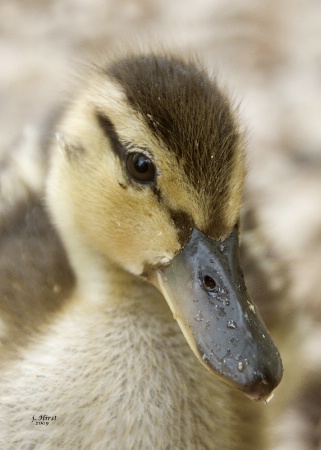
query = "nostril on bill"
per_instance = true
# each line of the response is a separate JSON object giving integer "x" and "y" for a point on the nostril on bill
{"x": 209, "y": 283}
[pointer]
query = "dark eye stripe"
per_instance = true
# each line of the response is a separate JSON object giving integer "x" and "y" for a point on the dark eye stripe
{"x": 110, "y": 132}
{"x": 121, "y": 150}
{"x": 183, "y": 223}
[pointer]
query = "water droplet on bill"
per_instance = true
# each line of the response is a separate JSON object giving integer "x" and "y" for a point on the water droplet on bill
{"x": 199, "y": 317}
{"x": 240, "y": 366}
{"x": 231, "y": 324}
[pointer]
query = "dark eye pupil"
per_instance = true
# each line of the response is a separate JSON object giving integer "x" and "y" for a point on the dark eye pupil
{"x": 209, "y": 283}
{"x": 142, "y": 164}
{"x": 140, "y": 167}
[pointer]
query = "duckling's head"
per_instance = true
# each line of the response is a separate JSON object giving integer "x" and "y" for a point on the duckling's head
{"x": 151, "y": 176}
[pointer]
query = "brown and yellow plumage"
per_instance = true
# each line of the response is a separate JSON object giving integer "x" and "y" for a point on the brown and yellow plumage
{"x": 150, "y": 150}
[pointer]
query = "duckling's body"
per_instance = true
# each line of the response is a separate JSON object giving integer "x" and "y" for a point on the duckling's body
{"x": 140, "y": 387}
{"x": 149, "y": 152}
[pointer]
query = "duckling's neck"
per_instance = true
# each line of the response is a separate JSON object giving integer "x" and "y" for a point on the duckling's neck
{"x": 99, "y": 280}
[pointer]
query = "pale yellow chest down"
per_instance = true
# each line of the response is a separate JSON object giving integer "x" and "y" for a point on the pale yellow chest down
{"x": 119, "y": 375}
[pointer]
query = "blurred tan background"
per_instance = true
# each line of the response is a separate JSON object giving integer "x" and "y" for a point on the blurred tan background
{"x": 268, "y": 52}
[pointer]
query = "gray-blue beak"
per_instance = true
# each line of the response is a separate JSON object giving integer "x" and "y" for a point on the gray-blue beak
{"x": 205, "y": 290}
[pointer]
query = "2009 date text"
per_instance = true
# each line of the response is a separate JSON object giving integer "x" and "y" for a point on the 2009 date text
{"x": 43, "y": 419}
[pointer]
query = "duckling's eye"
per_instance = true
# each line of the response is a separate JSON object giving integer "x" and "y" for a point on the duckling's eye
{"x": 140, "y": 168}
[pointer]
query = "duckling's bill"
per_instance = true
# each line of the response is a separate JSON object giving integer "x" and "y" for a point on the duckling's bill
{"x": 205, "y": 290}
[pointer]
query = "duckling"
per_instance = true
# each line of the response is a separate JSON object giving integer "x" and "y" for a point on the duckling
{"x": 144, "y": 190}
